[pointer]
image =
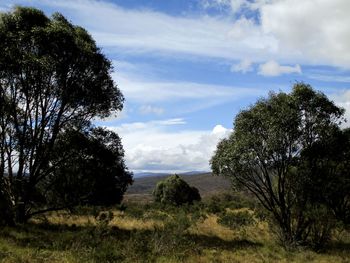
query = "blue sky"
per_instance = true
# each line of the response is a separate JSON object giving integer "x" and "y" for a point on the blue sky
{"x": 186, "y": 67}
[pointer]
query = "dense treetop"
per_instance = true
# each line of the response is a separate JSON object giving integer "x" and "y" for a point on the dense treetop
{"x": 53, "y": 81}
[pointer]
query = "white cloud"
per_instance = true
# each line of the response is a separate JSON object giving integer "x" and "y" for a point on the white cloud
{"x": 154, "y": 146}
{"x": 329, "y": 78}
{"x": 289, "y": 31}
{"x": 246, "y": 65}
{"x": 147, "y": 31}
{"x": 234, "y": 6}
{"x": 222, "y": 5}
{"x": 158, "y": 91}
{"x": 149, "y": 109}
{"x": 317, "y": 29}
{"x": 272, "y": 68}
{"x": 151, "y": 125}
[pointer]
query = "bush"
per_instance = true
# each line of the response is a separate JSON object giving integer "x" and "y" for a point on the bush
{"x": 323, "y": 223}
{"x": 217, "y": 204}
{"x": 175, "y": 191}
{"x": 235, "y": 220}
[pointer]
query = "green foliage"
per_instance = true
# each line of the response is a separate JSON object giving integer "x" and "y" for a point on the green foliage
{"x": 265, "y": 152}
{"x": 135, "y": 210}
{"x": 54, "y": 81}
{"x": 219, "y": 203}
{"x": 325, "y": 167}
{"x": 236, "y": 220}
{"x": 175, "y": 191}
{"x": 322, "y": 226}
{"x": 95, "y": 173}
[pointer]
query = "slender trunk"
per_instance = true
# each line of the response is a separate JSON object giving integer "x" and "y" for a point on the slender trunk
{"x": 6, "y": 204}
{"x": 21, "y": 215}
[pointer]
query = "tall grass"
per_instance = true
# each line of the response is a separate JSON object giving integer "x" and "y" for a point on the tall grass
{"x": 149, "y": 233}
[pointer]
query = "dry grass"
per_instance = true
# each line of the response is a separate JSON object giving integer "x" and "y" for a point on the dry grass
{"x": 129, "y": 223}
{"x": 77, "y": 238}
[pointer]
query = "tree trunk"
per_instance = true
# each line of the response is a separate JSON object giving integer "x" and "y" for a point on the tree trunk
{"x": 21, "y": 216}
{"x": 7, "y": 216}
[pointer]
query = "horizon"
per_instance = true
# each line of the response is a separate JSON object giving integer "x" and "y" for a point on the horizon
{"x": 186, "y": 68}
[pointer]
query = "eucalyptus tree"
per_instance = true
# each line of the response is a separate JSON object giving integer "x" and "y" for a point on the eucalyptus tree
{"x": 53, "y": 79}
{"x": 264, "y": 152}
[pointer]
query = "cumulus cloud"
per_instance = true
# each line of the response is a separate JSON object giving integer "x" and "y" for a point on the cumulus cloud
{"x": 154, "y": 146}
{"x": 318, "y": 29}
{"x": 244, "y": 66}
{"x": 272, "y": 68}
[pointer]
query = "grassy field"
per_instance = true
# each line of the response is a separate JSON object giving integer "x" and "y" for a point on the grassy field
{"x": 146, "y": 233}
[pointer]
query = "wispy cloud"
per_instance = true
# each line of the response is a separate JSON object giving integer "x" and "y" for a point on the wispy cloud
{"x": 329, "y": 78}
{"x": 149, "y": 109}
{"x": 282, "y": 32}
{"x": 246, "y": 65}
{"x": 158, "y": 91}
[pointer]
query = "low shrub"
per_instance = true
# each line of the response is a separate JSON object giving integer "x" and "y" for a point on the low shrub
{"x": 235, "y": 220}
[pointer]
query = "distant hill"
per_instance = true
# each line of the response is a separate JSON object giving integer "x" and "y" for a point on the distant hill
{"x": 149, "y": 174}
{"x": 146, "y": 174}
{"x": 207, "y": 184}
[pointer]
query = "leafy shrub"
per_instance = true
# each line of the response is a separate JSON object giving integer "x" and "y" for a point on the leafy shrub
{"x": 135, "y": 211}
{"x": 86, "y": 210}
{"x": 236, "y": 219}
{"x": 217, "y": 204}
{"x": 321, "y": 227}
{"x": 175, "y": 191}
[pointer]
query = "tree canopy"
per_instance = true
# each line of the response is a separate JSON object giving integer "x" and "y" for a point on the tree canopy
{"x": 175, "y": 191}
{"x": 53, "y": 81}
{"x": 265, "y": 151}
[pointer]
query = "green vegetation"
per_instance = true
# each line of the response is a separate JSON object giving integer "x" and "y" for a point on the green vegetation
{"x": 53, "y": 81}
{"x": 289, "y": 151}
{"x": 168, "y": 234}
{"x": 284, "y": 151}
{"x": 175, "y": 191}
{"x": 236, "y": 220}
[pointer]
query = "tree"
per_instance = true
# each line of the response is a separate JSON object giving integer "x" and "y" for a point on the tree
{"x": 53, "y": 79}
{"x": 175, "y": 191}
{"x": 92, "y": 171}
{"x": 326, "y": 165}
{"x": 263, "y": 153}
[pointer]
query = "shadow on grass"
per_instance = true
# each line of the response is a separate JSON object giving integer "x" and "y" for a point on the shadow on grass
{"x": 63, "y": 237}
{"x": 70, "y": 237}
{"x": 216, "y": 242}
{"x": 337, "y": 247}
